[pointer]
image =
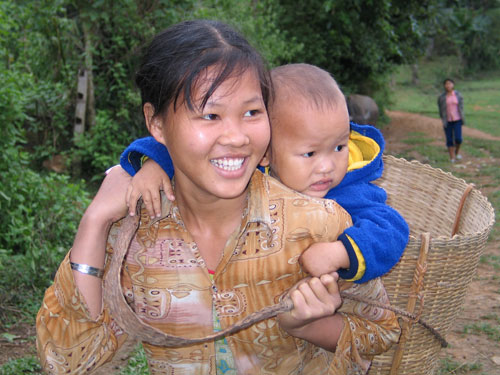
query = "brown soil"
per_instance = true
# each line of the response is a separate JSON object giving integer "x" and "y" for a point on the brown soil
{"x": 482, "y": 301}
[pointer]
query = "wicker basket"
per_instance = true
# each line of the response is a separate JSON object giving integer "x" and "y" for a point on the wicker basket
{"x": 431, "y": 278}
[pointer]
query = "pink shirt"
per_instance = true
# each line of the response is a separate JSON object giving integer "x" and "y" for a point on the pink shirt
{"x": 452, "y": 112}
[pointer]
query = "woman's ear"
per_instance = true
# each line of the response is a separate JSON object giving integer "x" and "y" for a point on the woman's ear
{"x": 153, "y": 123}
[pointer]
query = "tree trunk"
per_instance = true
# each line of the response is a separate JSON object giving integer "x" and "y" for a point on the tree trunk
{"x": 414, "y": 74}
{"x": 90, "y": 118}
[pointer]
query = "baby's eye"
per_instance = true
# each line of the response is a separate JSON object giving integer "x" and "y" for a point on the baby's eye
{"x": 210, "y": 116}
{"x": 339, "y": 148}
{"x": 251, "y": 113}
{"x": 308, "y": 154}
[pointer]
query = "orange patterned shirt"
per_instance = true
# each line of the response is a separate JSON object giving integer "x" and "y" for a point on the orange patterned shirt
{"x": 165, "y": 280}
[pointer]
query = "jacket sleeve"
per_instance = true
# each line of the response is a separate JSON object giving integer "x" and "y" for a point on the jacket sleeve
{"x": 461, "y": 106}
{"x": 68, "y": 340}
{"x": 378, "y": 230}
{"x": 442, "y": 110}
{"x": 131, "y": 158}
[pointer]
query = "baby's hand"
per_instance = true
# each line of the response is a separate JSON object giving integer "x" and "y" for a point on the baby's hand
{"x": 324, "y": 257}
{"x": 313, "y": 298}
{"x": 148, "y": 182}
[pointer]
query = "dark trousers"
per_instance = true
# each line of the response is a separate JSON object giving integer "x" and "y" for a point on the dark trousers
{"x": 453, "y": 131}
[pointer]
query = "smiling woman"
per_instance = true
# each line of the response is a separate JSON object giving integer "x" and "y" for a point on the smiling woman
{"x": 226, "y": 247}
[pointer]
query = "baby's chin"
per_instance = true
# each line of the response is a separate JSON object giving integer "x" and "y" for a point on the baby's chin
{"x": 315, "y": 193}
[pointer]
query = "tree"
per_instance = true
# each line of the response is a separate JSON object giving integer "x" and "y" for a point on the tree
{"x": 359, "y": 42}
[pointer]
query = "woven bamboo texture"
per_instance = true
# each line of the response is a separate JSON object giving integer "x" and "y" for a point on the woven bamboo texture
{"x": 432, "y": 280}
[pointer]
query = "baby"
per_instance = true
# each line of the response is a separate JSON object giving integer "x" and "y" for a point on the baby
{"x": 313, "y": 150}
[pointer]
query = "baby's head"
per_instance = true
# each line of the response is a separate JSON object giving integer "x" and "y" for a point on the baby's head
{"x": 309, "y": 130}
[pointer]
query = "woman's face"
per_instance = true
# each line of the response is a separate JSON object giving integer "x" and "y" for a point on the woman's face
{"x": 215, "y": 151}
{"x": 448, "y": 86}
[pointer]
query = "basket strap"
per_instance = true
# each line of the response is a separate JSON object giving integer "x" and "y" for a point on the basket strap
{"x": 130, "y": 322}
{"x": 458, "y": 214}
{"x": 416, "y": 287}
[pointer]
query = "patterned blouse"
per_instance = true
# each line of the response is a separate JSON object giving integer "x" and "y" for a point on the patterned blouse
{"x": 167, "y": 283}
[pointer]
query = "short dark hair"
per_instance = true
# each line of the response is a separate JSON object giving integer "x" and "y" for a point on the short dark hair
{"x": 448, "y": 79}
{"x": 176, "y": 56}
{"x": 309, "y": 82}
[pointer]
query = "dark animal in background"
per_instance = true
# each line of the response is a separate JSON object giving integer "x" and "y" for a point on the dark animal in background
{"x": 362, "y": 109}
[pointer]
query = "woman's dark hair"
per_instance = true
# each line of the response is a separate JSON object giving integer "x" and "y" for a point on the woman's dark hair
{"x": 176, "y": 57}
{"x": 448, "y": 79}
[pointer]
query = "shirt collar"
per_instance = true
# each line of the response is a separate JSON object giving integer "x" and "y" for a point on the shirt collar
{"x": 257, "y": 209}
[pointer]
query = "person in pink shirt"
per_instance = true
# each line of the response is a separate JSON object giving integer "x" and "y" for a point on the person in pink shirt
{"x": 451, "y": 111}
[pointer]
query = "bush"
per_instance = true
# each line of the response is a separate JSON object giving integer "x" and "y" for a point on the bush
{"x": 100, "y": 147}
{"x": 40, "y": 212}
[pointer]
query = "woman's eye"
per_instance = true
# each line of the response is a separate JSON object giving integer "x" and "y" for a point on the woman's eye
{"x": 339, "y": 148}
{"x": 210, "y": 116}
{"x": 251, "y": 113}
{"x": 308, "y": 154}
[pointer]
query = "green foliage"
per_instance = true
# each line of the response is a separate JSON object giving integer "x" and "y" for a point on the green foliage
{"x": 357, "y": 41}
{"x": 25, "y": 365}
{"x": 262, "y": 29}
{"x": 470, "y": 30}
{"x": 41, "y": 211}
{"x": 100, "y": 148}
{"x": 137, "y": 364}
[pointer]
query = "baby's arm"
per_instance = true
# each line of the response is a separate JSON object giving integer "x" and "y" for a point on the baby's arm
{"x": 147, "y": 183}
{"x": 378, "y": 236}
{"x": 324, "y": 257}
{"x": 313, "y": 317}
{"x": 151, "y": 178}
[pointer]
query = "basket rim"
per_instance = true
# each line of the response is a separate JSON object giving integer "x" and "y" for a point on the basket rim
{"x": 449, "y": 175}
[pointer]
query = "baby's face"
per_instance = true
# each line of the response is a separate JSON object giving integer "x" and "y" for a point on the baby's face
{"x": 308, "y": 150}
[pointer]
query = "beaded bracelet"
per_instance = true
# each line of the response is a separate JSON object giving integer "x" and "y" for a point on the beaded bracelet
{"x": 87, "y": 270}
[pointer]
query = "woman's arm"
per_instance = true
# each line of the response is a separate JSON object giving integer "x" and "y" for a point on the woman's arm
{"x": 108, "y": 206}
{"x": 74, "y": 333}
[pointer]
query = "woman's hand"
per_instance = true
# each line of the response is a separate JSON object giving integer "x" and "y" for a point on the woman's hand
{"x": 148, "y": 182}
{"x": 313, "y": 298}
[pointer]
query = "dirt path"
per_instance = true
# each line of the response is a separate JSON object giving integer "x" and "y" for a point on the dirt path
{"x": 404, "y": 122}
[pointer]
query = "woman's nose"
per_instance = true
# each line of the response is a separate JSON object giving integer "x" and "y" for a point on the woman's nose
{"x": 235, "y": 133}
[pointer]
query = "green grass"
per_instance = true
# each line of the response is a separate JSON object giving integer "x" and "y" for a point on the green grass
{"x": 492, "y": 331}
{"x": 492, "y": 260}
{"x": 481, "y": 94}
{"x": 25, "y": 365}
{"x": 449, "y": 367}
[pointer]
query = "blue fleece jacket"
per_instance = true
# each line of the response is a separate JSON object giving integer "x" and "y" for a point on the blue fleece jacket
{"x": 379, "y": 231}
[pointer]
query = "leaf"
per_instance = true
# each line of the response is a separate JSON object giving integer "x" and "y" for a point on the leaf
{"x": 9, "y": 337}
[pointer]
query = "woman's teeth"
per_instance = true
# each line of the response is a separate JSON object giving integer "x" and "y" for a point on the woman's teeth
{"x": 228, "y": 164}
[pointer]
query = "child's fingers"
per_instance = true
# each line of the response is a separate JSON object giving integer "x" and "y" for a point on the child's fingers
{"x": 167, "y": 188}
{"x": 148, "y": 202}
{"x": 156, "y": 202}
{"x": 131, "y": 210}
{"x": 133, "y": 198}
